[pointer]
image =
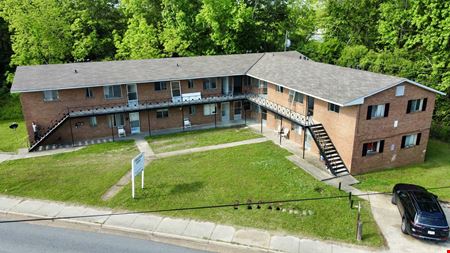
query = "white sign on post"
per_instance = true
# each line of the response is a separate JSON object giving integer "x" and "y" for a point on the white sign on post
{"x": 137, "y": 166}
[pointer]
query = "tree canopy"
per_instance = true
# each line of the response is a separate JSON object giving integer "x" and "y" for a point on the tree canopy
{"x": 408, "y": 38}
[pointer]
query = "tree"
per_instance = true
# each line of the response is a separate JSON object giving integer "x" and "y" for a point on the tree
{"x": 140, "y": 41}
{"x": 180, "y": 34}
{"x": 5, "y": 54}
{"x": 40, "y": 31}
{"x": 91, "y": 24}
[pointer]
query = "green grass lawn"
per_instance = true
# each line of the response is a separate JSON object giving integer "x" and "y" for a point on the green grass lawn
{"x": 435, "y": 172}
{"x": 11, "y": 140}
{"x": 192, "y": 139}
{"x": 256, "y": 172}
{"x": 81, "y": 176}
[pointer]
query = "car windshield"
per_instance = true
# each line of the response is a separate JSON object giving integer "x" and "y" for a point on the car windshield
{"x": 426, "y": 202}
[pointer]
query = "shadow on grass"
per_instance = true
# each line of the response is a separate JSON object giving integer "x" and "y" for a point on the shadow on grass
{"x": 187, "y": 187}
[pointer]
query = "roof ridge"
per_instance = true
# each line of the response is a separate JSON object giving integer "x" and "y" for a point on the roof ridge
{"x": 245, "y": 73}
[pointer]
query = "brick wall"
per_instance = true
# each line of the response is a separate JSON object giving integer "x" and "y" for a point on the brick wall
{"x": 383, "y": 128}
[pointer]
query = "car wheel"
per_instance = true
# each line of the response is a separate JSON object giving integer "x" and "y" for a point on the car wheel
{"x": 394, "y": 199}
{"x": 404, "y": 224}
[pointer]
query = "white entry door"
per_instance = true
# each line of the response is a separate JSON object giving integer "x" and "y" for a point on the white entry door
{"x": 135, "y": 124}
{"x": 226, "y": 86}
{"x": 176, "y": 91}
{"x": 225, "y": 108}
{"x": 132, "y": 95}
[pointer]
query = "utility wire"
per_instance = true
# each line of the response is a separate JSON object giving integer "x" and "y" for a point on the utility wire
{"x": 205, "y": 207}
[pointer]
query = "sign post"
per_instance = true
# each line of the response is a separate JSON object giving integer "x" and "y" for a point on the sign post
{"x": 137, "y": 166}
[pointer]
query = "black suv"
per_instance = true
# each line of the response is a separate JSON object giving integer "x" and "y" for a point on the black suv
{"x": 422, "y": 215}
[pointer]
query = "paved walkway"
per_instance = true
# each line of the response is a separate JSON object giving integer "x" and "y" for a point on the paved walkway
{"x": 22, "y": 155}
{"x": 180, "y": 229}
{"x": 212, "y": 147}
{"x": 149, "y": 156}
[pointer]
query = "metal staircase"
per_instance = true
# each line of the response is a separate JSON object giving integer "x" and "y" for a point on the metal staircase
{"x": 49, "y": 131}
{"x": 328, "y": 151}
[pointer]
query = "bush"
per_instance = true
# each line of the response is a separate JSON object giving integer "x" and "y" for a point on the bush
{"x": 440, "y": 132}
{"x": 10, "y": 107}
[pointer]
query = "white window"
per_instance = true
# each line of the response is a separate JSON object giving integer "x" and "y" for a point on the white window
{"x": 400, "y": 91}
{"x": 209, "y": 83}
{"x": 416, "y": 105}
{"x": 89, "y": 93}
{"x": 377, "y": 111}
{"x": 160, "y": 86}
{"x": 51, "y": 95}
{"x": 333, "y": 107}
{"x": 298, "y": 129}
{"x": 93, "y": 121}
{"x": 411, "y": 140}
{"x": 295, "y": 96}
{"x": 162, "y": 113}
{"x": 192, "y": 110}
{"x": 372, "y": 148}
{"x": 116, "y": 120}
{"x": 190, "y": 84}
{"x": 209, "y": 109}
{"x": 279, "y": 88}
{"x": 112, "y": 91}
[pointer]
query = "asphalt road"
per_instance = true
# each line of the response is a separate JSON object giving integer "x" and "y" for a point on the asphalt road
{"x": 24, "y": 237}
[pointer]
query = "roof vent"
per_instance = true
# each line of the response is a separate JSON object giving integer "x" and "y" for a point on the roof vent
{"x": 75, "y": 71}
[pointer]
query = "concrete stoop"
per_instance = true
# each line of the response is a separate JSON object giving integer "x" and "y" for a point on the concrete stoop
{"x": 183, "y": 232}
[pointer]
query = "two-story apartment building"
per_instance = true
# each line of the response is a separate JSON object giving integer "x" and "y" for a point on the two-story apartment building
{"x": 355, "y": 120}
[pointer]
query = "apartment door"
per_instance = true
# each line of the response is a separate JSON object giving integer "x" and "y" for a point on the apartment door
{"x": 263, "y": 116}
{"x": 226, "y": 86}
{"x": 135, "y": 124}
{"x": 310, "y": 106}
{"x": 225, "y": 108}
{"x": 237, "y": 110}
{"x": 176, "y": 91}
{"x": 132, "y": 95}
{"x": 237, "y": 85}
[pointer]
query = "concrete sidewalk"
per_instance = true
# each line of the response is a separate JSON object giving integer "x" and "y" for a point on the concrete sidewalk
{"x": 212, "y": 147}
{"x": 186, "y": 230}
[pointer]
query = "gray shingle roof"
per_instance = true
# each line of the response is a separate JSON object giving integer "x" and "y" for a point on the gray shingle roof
{"x": 331, "y": 83}
{"x": 89, "y": 74}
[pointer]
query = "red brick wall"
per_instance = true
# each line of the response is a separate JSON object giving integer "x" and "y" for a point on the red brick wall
{"x": 383, "y": 128}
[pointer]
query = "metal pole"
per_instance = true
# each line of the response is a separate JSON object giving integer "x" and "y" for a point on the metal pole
{"x": 215, "y": 117}
{"x": 182, "y": 116}
{"x": 261, "y": 120}
{"x": 148, "y": 121}
{"x": 304, "y": 141}
{"x": 281, "y": 128}
{"x": 112, "y": 126}
{"x": 71, "y": 131}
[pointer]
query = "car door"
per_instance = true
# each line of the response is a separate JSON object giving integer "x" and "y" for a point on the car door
{"x": 402, "y": 198}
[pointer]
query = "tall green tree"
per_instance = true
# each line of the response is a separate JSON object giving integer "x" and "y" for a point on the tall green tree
{"x": 5, "y": 54}
{"x": 40, "y": 31}
{"x": 180, "y": 34}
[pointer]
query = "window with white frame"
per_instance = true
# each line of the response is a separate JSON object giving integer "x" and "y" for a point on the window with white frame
{"x": 279, "y": 88}
{"x": 295, "y": 96}
{"x": 112, "y": 91}
{"x": 116, "y": 120}
{"x": 377, "y": 111}
{"x": 162, "y": 113}
{"x": 411, "y": 140}
{"x": 209, "y": 83}
{"x": 372, "y": 148}
{"x": 297, "y": 128}
{"x": 89, "y": 93}
{"x": 190, "y": 83}
{"x": 160, "y": 86}
{"x": 333, "y": 107}
{"x": 192, "y": 110}
{"x": 209, "y": 109}
{"x": 51, "y": 95}
{"x": 400, "y": 91}
{"x": 417, "y": 105}
{"x": 93, "y": 121}
{"x": 237, "y": 107}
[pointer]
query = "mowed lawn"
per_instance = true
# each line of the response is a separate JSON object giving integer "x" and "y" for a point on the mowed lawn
{"x": 434, "y": 173}
{"x": 12, "y": 140}
{"x": 259, "y": 172}
{"x": 199, "y": 138}
{"x": 81, "y": 176}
